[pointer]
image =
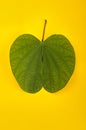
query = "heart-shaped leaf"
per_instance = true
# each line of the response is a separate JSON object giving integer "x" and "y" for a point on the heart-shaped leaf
{"x": 35, "y": 64}
{"x": 49, "y": 63}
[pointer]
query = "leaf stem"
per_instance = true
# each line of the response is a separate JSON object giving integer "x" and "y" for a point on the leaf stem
{"x": 44, "y": 30}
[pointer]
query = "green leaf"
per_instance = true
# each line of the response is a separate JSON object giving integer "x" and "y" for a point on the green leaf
{"x": 37, "y": 64}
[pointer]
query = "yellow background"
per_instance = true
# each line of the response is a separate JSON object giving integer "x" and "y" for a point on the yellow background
{"x": 64, "y": 110}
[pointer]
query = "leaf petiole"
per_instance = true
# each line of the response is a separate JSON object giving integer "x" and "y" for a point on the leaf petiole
{"x": 44, "y": 30}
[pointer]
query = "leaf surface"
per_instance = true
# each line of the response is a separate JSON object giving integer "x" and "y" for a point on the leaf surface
{"x": 37, "y": 64}
{"x": 58, "y": 63}
{"x": 25, "y": 59}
